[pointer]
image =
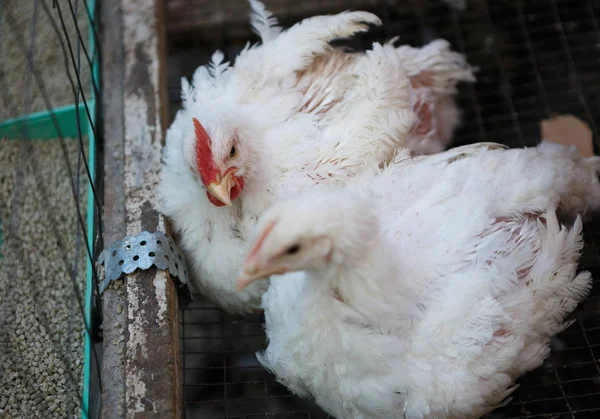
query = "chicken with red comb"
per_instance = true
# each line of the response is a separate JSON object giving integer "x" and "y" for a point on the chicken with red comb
{"x": 221, "y": 188}
{"x": 293, "y": 112}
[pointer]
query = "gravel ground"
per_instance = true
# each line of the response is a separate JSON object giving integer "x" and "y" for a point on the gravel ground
{"x": 48, "y": 56}
{"x": 41, "y": 329}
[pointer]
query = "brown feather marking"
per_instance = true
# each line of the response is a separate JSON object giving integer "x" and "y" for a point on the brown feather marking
{"x": 316, "y": 80}
{"x": 523, "y": 273}
{"x": 421, "y": 107}
{"x": 500, "y": 332}
{"x": 500, "y": 222}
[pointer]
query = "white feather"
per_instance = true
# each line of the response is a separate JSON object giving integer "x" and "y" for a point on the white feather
{"x": 263, "y": 23}
{"x": 301, "y": 114}
{"x": 445, "y": 279}
{"x": 217, "y": 67}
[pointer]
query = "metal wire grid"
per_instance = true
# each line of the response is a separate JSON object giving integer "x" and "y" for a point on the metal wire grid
{"x": 62, "y": 20}
{"x": 536, "y": 58}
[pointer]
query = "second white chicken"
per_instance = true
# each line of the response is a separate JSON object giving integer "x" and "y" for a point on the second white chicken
{"x": 425, "y": 288}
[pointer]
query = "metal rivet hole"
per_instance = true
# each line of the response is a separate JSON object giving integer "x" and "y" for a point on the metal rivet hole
{"x": 143, "y": 243}
{"x": 151, "y": 254}
{"x": 136, "y": 257}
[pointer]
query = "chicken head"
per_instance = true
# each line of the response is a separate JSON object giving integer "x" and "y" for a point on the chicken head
{"x": 222, "y": 181}
{"x": 316, "y": 229}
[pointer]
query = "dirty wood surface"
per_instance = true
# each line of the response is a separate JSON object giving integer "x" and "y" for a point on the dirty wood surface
{"x": 113, "y": 299}
{"x": 141, "y": 364}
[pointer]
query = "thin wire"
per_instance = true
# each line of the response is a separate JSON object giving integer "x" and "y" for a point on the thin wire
{"x": 80, "y": 91}
{"x": 581, "y": 98}
{"x": 28, "y": 79}
{"x": 80, "y": 44}
{"x": 75, "y": 269}
{"x": 65, "y": 154}
{"x": 574, "y": 73}
{"x": 79, "y": 155}
{"x": 66, "y": 58}
{"x": 92, "y": 125}
{"x": 504, "y": 79}
{"x": 43, "y": 91}
{"x": 95, "y": 37}
{"x": 529, "y": 44}
{"x": 24, "y": 131}
{"x": 14, "y": 237}
{"x": 31, "y": 54}
{"x": 461, "y": 46}
{"x": 90, "y": 119}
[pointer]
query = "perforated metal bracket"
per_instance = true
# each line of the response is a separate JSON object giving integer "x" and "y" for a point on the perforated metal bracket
{"x": 141, "y": 252}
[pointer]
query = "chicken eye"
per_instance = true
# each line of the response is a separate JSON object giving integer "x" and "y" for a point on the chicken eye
{"x": 233, "y": 152}
{"x": 293, "y": 249}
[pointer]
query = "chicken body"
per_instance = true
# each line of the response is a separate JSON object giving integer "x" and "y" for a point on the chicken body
{"x": 291, "y": 113}
{"x": 429, "y": 286}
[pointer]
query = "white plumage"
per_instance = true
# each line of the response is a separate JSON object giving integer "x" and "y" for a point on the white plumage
{"x": 424, "y": 289}
{"x": 291, "y": 113}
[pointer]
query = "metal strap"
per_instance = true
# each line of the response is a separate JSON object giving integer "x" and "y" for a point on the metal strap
{"x": 141, "y": 252}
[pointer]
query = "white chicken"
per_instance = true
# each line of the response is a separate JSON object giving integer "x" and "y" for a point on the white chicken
{"x": 292, "y": 112}
{"x": 424, "y": 289}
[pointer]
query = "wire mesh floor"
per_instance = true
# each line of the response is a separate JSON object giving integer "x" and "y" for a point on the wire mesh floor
{"x": 536, "y": 58}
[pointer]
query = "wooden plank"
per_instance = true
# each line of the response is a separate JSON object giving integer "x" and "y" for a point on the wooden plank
{"x": 114, "y": 299}
{"x": 143, "y": 308}
{"x": 216, "y": 19}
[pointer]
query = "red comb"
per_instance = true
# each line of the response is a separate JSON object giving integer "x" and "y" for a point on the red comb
{"x": 200, "y": 131}
{"x": 204, "y": 157}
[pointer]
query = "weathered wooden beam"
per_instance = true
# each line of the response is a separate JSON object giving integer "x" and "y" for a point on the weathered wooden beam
{"x": 229, "y": 18}
{"x": 114, "y": 323}
{"x": 141, "y": 364}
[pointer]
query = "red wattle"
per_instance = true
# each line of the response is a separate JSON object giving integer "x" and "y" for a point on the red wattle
{"x": 237, "y": 187}
{"x": 234, "y": 192}
{"x": 214, "y": 200}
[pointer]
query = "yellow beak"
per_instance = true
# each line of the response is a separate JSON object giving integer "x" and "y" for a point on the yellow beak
{"x": 244, "y": 280}
{"x": 222, "y": 188}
